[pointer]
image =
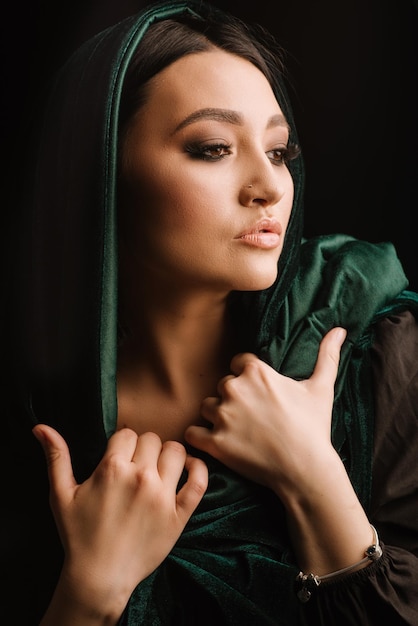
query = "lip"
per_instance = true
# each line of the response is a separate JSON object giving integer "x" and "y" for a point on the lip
{"x": 266, "y": 233}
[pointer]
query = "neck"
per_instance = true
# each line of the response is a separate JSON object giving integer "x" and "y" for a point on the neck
{"x": 177, "y": 339}
{"x": 176, "y": 349}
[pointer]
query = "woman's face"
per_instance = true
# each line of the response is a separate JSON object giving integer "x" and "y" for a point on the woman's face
{"x": 206, "y": 196}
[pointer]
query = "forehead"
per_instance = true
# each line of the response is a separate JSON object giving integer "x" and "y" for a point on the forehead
{"x": 210, "y": 79}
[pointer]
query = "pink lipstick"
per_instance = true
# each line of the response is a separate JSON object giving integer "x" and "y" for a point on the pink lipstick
{"x": 266, "y": 234}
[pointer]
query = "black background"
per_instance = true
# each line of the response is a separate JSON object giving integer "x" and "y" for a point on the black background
{"x": 354, "y": 69}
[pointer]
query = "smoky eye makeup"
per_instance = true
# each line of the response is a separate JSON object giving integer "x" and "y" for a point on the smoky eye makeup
{"x": 208, "y": 151}
{"x": 284, "y": 154}
{"x": 218, "y": 150}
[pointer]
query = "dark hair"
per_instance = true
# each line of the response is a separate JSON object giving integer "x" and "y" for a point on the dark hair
{"x": 169, "y": 40}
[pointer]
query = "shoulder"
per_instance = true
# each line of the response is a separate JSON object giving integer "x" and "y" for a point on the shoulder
{"x": 342, "y": 257}
{"x": 394, "y": 357}
{"x": 345, "y": 281}
{"x": 395, "y": 353}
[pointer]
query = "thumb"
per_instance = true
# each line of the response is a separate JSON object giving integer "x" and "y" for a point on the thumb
{"x": 57, "y": 454}
{"x": 326, "y": 368}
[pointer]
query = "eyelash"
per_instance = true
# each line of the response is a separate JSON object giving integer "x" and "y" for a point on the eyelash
{"x": 288, "y": 153}
{"x": 197, "y": 151}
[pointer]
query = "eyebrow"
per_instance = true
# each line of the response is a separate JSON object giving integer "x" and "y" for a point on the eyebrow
{"x": 229, "y": 116}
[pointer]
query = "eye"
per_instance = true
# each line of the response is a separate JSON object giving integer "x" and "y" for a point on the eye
{"x": 283, "y": 154}
{"x": 209, "y": 152}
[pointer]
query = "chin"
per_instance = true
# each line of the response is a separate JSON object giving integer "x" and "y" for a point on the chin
{"x": 256, "y": 282}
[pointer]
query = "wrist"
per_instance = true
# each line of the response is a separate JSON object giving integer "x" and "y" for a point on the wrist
{"x": 327, "y": 524}
{"x": 306, "y": 584}
{"x": 84, "y": 599}
{"x": 310, "y": 478}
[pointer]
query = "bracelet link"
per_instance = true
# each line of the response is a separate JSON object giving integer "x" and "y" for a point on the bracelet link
{"x": 306, "y": 584}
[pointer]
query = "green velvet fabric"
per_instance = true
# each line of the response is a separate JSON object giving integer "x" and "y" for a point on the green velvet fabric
{"x": 224, "y": 567}
{"x": 233, "y": 563}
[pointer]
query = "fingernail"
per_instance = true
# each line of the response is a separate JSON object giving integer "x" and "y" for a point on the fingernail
{"x": 39, "y": 435}
{"x": 339, "y": 335}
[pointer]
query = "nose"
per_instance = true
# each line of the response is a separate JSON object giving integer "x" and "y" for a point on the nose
{"x": 265, "y": 184}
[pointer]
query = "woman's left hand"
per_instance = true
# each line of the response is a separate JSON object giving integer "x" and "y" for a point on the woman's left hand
{"x": 277, "y": 431}
{"x": 271, "y": 428}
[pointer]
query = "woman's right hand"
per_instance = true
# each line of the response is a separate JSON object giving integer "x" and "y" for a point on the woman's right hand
{"x": 120, "y": 524}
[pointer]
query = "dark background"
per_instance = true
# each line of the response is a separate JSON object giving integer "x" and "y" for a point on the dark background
{"x": 354, "y": 70}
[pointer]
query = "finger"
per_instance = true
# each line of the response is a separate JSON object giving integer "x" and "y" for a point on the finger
{"x": 57, "y": 454}
{"x": 240, "y": 361}
{"x": 171, "y": 462}
{"x": 222, "y": 383}
{"x": 208, "y": 408}
{"x": 326, "y": 368}
{"x": 147, "y": 451}
{"x": 194, "y": 488}
{"x": 122, "y": 443}
{"x": 199, "y": 437}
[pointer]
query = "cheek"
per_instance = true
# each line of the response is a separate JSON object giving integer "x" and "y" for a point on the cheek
{"x": 169, "y": 213}
{"x": 177, "y": 197}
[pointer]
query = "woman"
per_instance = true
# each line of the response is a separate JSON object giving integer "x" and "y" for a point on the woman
{"x": 220, "y": 403}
